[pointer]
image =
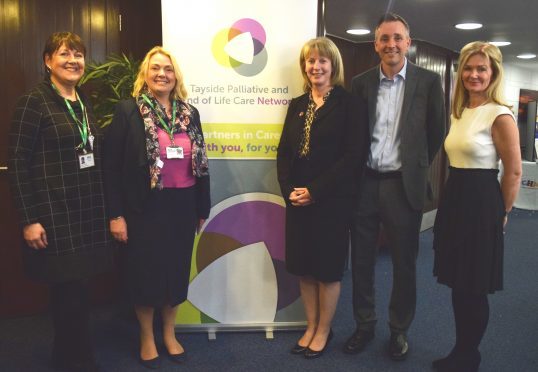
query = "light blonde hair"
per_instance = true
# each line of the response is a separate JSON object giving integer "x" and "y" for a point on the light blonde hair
{"x": 325, "y": 48}
{"x": 179, "y": 91}
{"x": 494, "y": 91}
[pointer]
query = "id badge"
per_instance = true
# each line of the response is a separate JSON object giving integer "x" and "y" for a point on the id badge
{"x": 174, "y": 152}
{"x": 86, "y": 160}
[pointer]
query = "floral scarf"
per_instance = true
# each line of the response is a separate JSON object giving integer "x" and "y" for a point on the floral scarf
{"x": 184, "y": 117}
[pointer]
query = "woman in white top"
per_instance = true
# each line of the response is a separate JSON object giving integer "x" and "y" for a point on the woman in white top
{"x": 468, "y": 231}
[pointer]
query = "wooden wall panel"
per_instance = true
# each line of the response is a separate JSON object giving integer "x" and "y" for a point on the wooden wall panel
{"x": 357, "y": 57}
{"x": 141, "y": 26}
{"x": 24, "y": 27}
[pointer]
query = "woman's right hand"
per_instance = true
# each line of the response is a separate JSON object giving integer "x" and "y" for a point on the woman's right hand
{"x": 35, "y": 236}
{"x": 118, "y": 228}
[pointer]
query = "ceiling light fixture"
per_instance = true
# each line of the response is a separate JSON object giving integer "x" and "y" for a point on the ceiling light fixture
{"x": 500, "y": 43}
{"x": 358, "y": 31}
{"x": 468, "y": 26}
{"x": 527, "y": 56}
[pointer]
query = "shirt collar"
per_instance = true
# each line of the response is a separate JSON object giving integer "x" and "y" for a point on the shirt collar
{"x": 401, "y": 73}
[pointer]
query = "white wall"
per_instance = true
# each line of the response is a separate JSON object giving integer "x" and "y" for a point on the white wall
{"x": 516, "y": 78}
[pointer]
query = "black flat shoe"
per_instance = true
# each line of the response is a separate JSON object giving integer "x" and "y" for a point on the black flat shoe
{"x": 154, "y": 363}
{"x": 298, "y": 349}
{"x": 177, "y": 358}
{"x": 313, "y": 354}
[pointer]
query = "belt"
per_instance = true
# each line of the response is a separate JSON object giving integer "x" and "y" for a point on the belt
{"x": 382, "y": 175}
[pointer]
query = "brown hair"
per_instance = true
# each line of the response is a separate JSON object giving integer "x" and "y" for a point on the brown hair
{"x": 392, "y": 17}
{"x": 57, "y": 39}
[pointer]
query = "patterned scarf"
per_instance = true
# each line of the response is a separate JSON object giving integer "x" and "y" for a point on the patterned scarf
{"x": 311, "y": 114}
{"x": 182, "y": 124}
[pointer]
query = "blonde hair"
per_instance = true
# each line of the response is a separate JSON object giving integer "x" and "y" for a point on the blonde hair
{"x": 494, "y": 91}
{"x": 328, "y": 49}
{"x": 179, "y": 91}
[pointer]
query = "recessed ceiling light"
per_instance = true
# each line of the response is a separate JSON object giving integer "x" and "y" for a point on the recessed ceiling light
{"x": 358, "y": 31}
{"x": 500, "y": 43}
{"x": 527, "y": 56}
{"x": 468, "y": 26}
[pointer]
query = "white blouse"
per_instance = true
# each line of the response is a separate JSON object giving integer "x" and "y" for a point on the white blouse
{"x": 469, "y": 143}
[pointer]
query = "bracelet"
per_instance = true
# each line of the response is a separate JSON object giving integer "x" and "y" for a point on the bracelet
{"x": 115, "y": 218}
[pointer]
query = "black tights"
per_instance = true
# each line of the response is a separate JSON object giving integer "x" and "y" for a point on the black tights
{"x": 70, "y": 317}
{"x": 471, "y": 314}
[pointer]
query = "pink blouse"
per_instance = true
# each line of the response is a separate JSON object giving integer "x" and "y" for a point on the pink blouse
{"x": 176, "y": 173}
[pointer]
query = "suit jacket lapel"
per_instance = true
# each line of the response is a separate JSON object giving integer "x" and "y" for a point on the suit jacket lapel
{"x": 409, "y": 90}
{"x": 329, "y": 104}
{"x": 373, "y": 89}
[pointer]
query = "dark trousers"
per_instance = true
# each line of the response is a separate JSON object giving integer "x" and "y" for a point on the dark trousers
{"x": 70, "y": 318}
{"x": 383, "y": 200}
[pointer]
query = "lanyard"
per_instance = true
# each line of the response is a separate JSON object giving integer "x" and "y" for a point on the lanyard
{"x": 83, "y": 127}
{"x": 168, "y": 129}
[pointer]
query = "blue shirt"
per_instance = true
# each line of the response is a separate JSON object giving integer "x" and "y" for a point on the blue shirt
{"x": 385, "y": 146}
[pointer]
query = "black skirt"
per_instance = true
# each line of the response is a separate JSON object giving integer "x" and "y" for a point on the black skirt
{"x": 159, "y": 249}
{"x": 468, "y": 232}
{"x": 317, "y": 239}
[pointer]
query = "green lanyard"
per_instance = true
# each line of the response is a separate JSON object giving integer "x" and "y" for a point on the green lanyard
{"x": 167, "y": 128}
{"x": 82, "y": 126}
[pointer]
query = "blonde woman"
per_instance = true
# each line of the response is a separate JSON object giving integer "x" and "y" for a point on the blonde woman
{"x": 157, "y": 188}
{"x": 319, "y": 161}
{"x": 468, "y": 231}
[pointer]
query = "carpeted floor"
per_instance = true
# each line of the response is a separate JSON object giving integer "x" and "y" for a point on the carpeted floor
{"x": 510, "y": 343}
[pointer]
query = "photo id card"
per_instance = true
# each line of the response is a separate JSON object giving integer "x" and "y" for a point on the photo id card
{"x": 86, "y": 160}
{"x": 174, "y": 152}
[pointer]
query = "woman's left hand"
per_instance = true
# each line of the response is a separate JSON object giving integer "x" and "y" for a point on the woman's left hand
{"x": 300, "y": 197}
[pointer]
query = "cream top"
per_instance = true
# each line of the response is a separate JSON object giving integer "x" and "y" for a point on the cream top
{"x": 469, "y": 143}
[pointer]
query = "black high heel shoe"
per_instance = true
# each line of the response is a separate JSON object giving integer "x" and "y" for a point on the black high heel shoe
{"x": 313, "y": 354}
{"x": 446, "y": 362}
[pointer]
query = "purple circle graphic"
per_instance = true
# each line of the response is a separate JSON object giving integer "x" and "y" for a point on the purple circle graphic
{"x": 252, "y": 26}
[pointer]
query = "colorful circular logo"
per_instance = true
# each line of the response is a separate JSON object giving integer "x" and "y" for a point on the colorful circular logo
{"x": 241, "y": 47}
{"x": 238, "y": 273}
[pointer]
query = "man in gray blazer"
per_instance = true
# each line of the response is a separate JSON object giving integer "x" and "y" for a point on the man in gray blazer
{"x": 407, "y": 126}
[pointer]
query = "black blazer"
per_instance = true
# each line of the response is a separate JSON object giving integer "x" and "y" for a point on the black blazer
{"x": 423, "y": 123}
{"x": 126, "y": 168}
{"x": 338, "y": 146}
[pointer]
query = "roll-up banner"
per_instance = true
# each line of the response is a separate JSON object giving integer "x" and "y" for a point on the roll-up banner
{"x": 240, "y": 62}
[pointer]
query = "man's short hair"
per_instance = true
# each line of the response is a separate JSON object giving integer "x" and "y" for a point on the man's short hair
{"x": 392, "y": 17}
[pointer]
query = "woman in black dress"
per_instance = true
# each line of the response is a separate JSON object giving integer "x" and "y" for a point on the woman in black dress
{"x": 157, "y": 188}
{"x": 468, "y": 231}
{"x": 55, "y": 176}
{"x": 320, "y": 157}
